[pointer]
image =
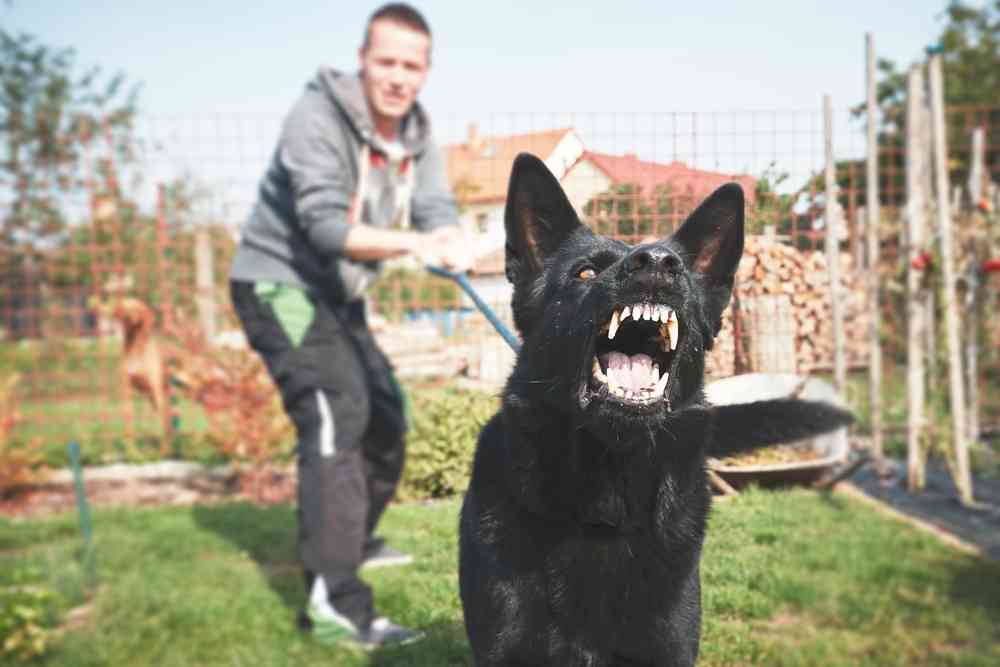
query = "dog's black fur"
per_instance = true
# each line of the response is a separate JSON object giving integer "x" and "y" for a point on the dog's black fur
{"x": 581, "y": 531}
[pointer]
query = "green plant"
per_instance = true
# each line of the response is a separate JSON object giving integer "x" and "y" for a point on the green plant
{"x": 442, "y": 440}
{"x": 27, "y": 615}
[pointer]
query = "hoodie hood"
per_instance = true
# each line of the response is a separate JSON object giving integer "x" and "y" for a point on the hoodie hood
{"x": 348, "y": 95}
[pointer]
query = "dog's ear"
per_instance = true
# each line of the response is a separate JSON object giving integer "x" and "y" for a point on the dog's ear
{"x": 712, "y": 241}
{"x": 538, "y": 217}
{"x": 712, "y": 236}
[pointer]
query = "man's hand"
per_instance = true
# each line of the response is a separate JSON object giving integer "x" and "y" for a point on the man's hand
{"x": 448, "y": 247}
{"x": 455, "y": 248}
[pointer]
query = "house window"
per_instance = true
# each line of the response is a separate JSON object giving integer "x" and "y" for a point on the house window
{"x": 483, "y": 222}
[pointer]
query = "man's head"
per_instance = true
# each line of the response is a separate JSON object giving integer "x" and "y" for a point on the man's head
{"x": 395, "y": 58}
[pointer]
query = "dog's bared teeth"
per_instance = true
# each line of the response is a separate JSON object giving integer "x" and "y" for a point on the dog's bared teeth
{"x": 613, "y": 328}
{"x": 637, "y": 312}
{"x": 598, "y": 373}
{"x": 661, "y": 385}
{"x": 625, "y": 314}
{"x": 655, "y": 315}
{"x": 672, "y": 328}
{"x": 664, "y": 338}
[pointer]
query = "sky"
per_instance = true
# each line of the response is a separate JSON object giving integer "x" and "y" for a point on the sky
{"x": 217, "y": 75}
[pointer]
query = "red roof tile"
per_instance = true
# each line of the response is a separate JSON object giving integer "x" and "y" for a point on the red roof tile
{"x": 479, "y": 169}
{"x": 682, "y": 179}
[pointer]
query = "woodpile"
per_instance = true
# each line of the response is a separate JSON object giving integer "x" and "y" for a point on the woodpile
{"x": 782, "y": 296}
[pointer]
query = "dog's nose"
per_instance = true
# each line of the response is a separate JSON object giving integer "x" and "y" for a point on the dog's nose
{"x": 653, "y": 259}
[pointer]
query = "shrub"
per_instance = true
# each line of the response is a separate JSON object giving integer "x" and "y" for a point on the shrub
{"x": 442, "y": 440}
{"x": 17, "y": 462}
{"x": 246, "y": 422}
{"x": 27, "y": 616}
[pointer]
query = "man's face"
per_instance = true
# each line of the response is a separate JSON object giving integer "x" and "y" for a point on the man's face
{"x": 394, "y": 66}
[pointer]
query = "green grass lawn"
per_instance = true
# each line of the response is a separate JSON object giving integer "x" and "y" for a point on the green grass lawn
{"x": 790, "y": 578}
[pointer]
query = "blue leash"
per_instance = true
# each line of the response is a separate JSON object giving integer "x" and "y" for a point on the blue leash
{"x": 463, "y": 282}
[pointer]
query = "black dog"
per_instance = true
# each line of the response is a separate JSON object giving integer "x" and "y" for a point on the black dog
{"x": 582, "y": 528}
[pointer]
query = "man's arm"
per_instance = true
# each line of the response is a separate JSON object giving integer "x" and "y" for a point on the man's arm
{"x": 366, "y": 243}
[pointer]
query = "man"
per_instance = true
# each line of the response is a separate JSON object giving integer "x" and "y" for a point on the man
{"x": 354, "y": 164}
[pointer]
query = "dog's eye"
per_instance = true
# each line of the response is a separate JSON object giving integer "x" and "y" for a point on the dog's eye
{"x": 586, "y": 274}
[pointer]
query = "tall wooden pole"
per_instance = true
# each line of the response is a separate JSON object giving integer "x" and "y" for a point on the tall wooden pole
{"x": 917, "y": 157}
{"x": 872, "y": 209}
{"x": 963, "y": 479}
{"x": 833, "y": 252}
{"x": 974, "y": 287}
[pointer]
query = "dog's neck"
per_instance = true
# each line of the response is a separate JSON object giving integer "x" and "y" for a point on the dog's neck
{"x": 559, "y": 470}
{"x": 136, "y": 335}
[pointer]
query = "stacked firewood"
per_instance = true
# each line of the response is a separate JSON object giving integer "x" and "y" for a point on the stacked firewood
{"x": 776, "y": 280}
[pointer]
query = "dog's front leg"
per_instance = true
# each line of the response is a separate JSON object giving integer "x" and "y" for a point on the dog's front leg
{"x": 125, "y": 397}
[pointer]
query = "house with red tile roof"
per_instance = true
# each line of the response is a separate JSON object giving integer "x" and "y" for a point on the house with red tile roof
{"x": 674, "y": 185}
{"x": 479, "y": 168}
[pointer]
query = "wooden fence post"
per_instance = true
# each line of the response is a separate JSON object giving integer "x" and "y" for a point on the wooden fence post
{"x": 978, "y": 252}
{"x": 939, "y": 129}
{"x": 833, "y": 252}
{"x": 873, "y": 214}
{"x": 917, "y": 316}
{"x": 205, "y": 282}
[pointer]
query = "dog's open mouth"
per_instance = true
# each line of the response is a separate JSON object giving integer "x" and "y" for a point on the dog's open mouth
{"x": 635, "y": 353}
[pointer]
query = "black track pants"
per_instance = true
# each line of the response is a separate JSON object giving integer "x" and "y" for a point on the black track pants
{"x": 339, "y": 390}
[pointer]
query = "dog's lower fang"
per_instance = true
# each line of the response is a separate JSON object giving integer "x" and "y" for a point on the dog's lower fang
{"x": 613, "y": 327}
{"x": 661, "y": 384}
{"x": 598, "y": 373}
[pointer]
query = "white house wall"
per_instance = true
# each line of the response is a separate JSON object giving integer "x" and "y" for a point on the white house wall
{"x": 582, "y": 182}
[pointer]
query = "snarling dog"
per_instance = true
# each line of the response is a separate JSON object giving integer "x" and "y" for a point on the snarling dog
{"x": 582, "y": 528}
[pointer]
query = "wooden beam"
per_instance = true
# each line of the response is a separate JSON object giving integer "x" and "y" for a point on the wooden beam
{"x": 872, "y": 236}
{"x": 939, "y": 129}
{"x": 833, "y": 252}
{"x": 917, "y": 316}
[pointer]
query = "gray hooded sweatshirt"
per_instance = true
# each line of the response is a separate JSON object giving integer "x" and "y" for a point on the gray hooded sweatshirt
{"x": 320, "y": 181}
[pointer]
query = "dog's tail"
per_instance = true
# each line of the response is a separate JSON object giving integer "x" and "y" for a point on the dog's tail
{"x": 745, "y": 426}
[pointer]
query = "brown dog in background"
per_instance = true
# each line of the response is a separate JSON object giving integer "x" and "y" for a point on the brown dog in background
{"x": 143, "y": 365}
{"x": 144, "y": 361}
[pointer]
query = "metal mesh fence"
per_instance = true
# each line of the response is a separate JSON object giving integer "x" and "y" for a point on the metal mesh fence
{"x": 145, "y": 247}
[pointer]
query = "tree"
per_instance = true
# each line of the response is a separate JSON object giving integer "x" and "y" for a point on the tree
{"x": 970, "y": 49}
{"x": 55, "y": 122}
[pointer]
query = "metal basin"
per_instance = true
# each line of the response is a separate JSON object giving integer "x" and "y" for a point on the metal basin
{"x": 828, "y": 450}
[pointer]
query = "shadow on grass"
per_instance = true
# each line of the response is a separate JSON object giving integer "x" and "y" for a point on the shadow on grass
{"x": 445, "y": 645}
{"x": 970, "y": 582}
{"x": 267, "y": 535}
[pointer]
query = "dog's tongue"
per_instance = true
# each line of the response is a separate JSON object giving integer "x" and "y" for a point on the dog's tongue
{"x": 631, "y": 373}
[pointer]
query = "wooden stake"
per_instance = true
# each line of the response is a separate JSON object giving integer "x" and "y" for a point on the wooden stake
{"x": 205, "y": 282}
{"x": 872, "y": 209}
{"x": 833, "y": 252}
{"x": 939, "y": 129}
{"x": 917, "y": 153}
{"x": 721, "y": 485}
{"x": 974, "y": 286}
